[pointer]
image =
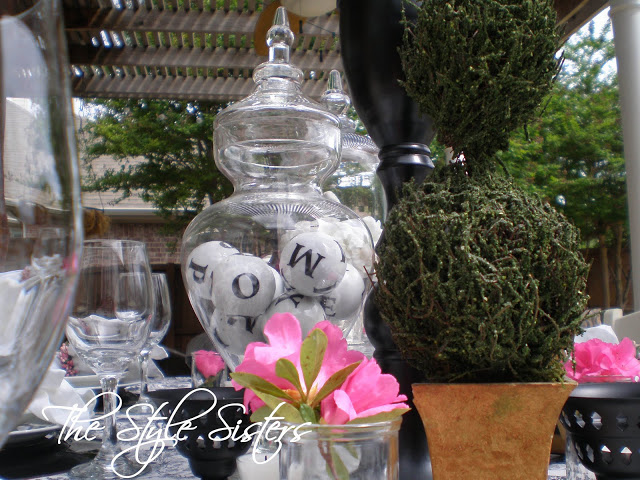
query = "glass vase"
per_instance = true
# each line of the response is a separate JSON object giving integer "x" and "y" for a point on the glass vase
{"x": 276, "y": 245}
{"x": 338, "y": 452}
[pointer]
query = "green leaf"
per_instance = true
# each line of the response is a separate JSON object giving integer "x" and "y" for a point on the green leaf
{"x": 287, "y": 370}
{"x": 335, "y": 381}
{"x": 312, "y": 355}
{"x": 381, "y": 417}
{"x": 260, "y": 385}
{"x": 280, "y": 408}
{"x": 337, "y": 469}
{"x": 261, "y": 414}
{"x": 308, "y": 414}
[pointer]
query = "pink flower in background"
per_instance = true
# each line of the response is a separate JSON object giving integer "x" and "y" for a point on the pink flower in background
{"x": 365, "y": 392}
{"x": 596, "y": 360}
{"x": 208, "y": 363}
{"x": 285, "y": 340}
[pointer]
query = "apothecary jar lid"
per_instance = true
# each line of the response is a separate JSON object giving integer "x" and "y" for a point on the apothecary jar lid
{"x": 277, "y": 134}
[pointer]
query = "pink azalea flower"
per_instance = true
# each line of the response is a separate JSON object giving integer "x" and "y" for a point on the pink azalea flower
{"x": 596, "y": 360}
{"x": 208, "y": 363}
{"x": 365, "y": 392}
{"x": 284, "y": 341}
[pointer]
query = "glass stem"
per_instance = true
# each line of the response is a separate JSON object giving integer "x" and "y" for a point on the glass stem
{"x": 110, "y": 402}
{"x": 143, "y": 359}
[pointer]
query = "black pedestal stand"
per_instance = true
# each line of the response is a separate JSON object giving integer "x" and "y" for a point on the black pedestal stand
{"x": 370, "y": 34}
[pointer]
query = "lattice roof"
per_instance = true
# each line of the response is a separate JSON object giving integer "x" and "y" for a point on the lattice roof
{"x": 203, "y": 49}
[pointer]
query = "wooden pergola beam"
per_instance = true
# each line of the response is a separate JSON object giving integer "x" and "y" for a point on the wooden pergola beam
{"x": 179, "y": 88}
{"x": 204, "y": 54}
{"x": 206, "y": 58}
{"x": 573, "y": 14}
{"x": 92, "y": 22}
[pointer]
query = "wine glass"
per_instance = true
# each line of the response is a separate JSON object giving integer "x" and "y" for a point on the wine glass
{"x": 40, "y": 214}
{"x": 159, "y": 326}
{"x": 108, "y": 328}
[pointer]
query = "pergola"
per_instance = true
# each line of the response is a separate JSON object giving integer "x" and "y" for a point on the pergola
{"x": 205, "y": 49}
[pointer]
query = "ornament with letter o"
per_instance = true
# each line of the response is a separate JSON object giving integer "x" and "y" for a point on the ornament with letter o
{"x": 243, "y": 285}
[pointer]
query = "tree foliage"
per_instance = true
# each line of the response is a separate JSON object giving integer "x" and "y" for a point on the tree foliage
{"x": 573, "y": 154}
{"x": 164, "y": 151}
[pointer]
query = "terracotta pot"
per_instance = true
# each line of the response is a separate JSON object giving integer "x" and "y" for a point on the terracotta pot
{"x": 490, "y": 431}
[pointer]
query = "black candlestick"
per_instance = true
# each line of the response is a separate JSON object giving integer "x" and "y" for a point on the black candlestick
{"x": 370, "y": 34}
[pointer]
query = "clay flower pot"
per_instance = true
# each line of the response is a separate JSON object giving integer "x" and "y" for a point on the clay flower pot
{"x": 490, "y": 431}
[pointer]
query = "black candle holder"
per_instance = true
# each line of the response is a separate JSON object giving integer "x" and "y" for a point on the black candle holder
{"x": 211, "y": 457}
{"x": 602, "y": 423}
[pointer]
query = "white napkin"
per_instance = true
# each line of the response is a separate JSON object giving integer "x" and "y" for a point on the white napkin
{"x": 54, "y": 391}
{"x": 15, "y": 298}
{"x": 602, "y": 332}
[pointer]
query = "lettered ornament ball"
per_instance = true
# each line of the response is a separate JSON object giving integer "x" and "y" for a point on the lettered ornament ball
{"x": 307, "y": 310}
{"x": 235, "y": 332}
{"x": 312, "y": 263}
{"x": 346, "y": 299}
{"x": 200, "y": 265}
{"x": 280, "y": 287}
{"x": 243, "y": 285}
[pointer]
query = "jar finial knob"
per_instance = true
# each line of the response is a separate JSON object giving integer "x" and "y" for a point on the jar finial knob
{"x": 280, "y": 39}
{"x": 337, "y": 101}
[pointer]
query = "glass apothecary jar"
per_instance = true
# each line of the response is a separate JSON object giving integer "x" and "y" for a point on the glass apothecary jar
{"x": 276, "y": 244}
{"x": 354, "y": 183}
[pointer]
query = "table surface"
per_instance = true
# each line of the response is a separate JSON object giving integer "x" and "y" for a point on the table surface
{"x": 49, "y": 459}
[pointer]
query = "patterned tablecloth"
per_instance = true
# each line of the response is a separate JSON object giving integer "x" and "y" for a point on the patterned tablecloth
{"x": 170, "y": 465}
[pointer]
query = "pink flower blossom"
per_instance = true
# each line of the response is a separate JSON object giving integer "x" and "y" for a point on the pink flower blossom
{"x": 365, "y": 392}
{"x": 596, "y": 360}
{"x": 208, "y": 363}
{"x": 285, "y": 340}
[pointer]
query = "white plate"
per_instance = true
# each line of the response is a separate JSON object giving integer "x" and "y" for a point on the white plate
{"x": 30, "y": 432}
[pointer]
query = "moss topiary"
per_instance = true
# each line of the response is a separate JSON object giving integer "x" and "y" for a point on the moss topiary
{"x": 479, "y": 281}
{"x": 479, "y": 68}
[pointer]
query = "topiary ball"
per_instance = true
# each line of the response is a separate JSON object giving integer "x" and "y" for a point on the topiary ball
{"x": 479, "y": 281}
{"x": 480, "y": 68}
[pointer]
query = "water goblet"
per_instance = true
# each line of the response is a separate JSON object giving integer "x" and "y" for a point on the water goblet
{"x": 108, "y": 328}
{"x": 158, "y": 329}
{"x": 40, "y": 213}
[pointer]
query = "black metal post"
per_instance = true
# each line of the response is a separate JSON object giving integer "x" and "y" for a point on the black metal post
{"x": 370, "y": 34}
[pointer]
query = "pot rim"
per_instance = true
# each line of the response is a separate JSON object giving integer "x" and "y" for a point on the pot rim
{"x": 394, "y": 424}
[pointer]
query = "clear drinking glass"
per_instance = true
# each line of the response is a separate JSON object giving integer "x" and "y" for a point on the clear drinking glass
{"x": 108, "y": 328}
{"x": 40, "y": 216}
{"x": 158, "y": 329}
{"x": 337, "y": 452}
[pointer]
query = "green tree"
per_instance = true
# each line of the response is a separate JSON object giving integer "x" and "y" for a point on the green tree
{"x": 164, "y": 150}
{"x": 573, "y": 154}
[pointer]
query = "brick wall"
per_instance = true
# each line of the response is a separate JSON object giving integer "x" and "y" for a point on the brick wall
{"x": 161, "y": 248}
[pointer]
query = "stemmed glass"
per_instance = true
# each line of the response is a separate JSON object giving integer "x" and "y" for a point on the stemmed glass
{"x": 159, "y": 326}
{"x": 40, "y": 215}
{"x": 108, "y": 328}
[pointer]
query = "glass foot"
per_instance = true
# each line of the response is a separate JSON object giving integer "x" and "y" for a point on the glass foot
{"x": 144, "y": 406}
{"x": 105, "y": 466}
